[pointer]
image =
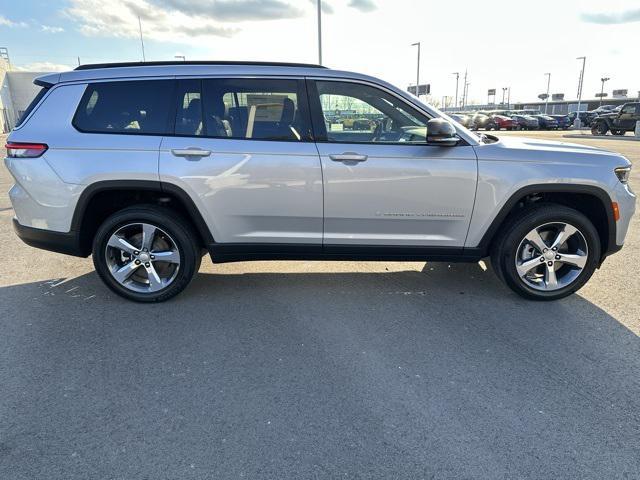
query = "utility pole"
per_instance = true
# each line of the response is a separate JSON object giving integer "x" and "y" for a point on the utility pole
{"x": 418, "y": 70}
{"x": 78, "y": 61}
{"x": 464, "y": 89}
{"x": 577, "y": 122}
{"x": 509, "y": 98}
{"x": 466, "y": 92}
{"x": 320, "y": 32}
{"x": 457, "y": 74}
{"x": 144, "y": 59}
{"x": 603, "y": 79}
{"x": 504, "y": 91}
{"x": 546, "y": 100}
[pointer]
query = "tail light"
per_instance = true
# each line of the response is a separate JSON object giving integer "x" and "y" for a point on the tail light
{"x": 25, "y": 150}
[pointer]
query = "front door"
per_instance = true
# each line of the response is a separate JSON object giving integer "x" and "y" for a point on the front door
{"x": 382, "y": 184}
{"x": 242, "y": 150}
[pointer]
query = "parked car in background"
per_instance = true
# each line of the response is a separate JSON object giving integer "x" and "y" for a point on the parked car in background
{"x": 463, "y": 119}
{"x": 605, "y": 109}
{"x": 483, "y": 121}
{"x": 563, "y": 121}
{"x": 526, "y": 122}
{"x": 546, "y": 122}
{"x": 617, "y": 123}
{"x": 585, "y": 118}
{"x": 504, "y": 122}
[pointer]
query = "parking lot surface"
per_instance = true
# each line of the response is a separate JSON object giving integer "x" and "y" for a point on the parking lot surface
{"x": 318, "y": 370}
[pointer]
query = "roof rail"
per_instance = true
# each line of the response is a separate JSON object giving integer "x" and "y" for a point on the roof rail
{"x": 92, "y": 66}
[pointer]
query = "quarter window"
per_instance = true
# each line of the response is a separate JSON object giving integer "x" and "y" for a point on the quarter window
{"x": 259, "y": 109}
{"x": 357, "y": 113}
{"x": 131, "y": 107}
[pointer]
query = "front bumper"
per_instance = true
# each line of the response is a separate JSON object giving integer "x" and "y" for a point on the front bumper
{"x": 60, "y": 242}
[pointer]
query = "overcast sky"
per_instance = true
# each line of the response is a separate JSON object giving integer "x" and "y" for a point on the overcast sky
{"x": 501, "y": 43}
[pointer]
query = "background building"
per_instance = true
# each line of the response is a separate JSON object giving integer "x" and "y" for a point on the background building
{"x": 16, "y": 92}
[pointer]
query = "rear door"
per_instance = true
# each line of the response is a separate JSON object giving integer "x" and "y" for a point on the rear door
{"x": 383, "y": 185}
{"x": 242, "y": 149}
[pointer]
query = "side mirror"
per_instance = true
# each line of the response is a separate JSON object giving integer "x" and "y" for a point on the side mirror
{"x": 441, "y": 133}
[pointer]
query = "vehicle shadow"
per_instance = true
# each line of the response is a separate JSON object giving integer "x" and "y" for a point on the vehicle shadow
{"x": 442, "y": 374}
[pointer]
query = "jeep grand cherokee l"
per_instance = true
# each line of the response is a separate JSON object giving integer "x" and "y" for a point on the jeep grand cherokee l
{"x": 147, "y": 166}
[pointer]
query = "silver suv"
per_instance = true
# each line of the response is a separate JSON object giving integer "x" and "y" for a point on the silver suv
{"x": 149, "y": 166}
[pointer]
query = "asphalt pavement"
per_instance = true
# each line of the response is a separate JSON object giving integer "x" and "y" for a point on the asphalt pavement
{"x": 318, "y": 370}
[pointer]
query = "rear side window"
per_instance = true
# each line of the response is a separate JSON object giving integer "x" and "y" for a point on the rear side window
{"x": 32, "y": 105}
{"x": 131, "y": 107}
{"x": 258, "y": 109}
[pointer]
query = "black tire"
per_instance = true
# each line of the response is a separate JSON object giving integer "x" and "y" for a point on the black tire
{"x": 505, "y": 248}
{"x": 599, "y": 128}
{"x": 168, "y": 221}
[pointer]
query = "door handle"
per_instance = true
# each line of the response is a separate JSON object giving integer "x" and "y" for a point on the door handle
{"x": 348, "y": 157}
{"x": 196, "y": 153}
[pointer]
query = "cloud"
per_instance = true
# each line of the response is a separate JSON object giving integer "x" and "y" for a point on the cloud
{"x": 5, "y": 22}
{"x": 50, "y": 29}
{"x": 233, "y": 10}
{"x": 119, "y": 18}
{"x": 626, "y": 16}
{"x": 326, "y": 6}
{"x": 365, "y": 6}
{"x": 44, "y": 67}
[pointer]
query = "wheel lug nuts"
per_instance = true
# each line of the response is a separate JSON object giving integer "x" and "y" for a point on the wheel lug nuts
{"x": 550, "y": 264}
{"x": 147, "y": 264}
{"x": 557, "y": 257}
{"x": 137, "y": 262}
{"x": 545, "y": 250}
{"x": 542, "y": 259}
{"x": 153, "y": 257}
{"x": 136, "y": 252}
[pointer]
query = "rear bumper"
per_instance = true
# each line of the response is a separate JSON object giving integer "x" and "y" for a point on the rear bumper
{"x": 60, "y": 242}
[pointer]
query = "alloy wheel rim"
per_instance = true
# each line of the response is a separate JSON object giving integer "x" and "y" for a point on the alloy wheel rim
{"x": 552, "y": 256}
{"x": 142, "y": 257}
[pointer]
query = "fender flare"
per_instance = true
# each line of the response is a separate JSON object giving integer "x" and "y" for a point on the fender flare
{"x": 143, "y": 185}
{"x": 506, "y": 209}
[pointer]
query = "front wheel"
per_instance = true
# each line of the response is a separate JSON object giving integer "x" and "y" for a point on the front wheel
{"x": 146, "y": 253}
{"x": 599, "y": 128}
{"x": 547, "y": 252}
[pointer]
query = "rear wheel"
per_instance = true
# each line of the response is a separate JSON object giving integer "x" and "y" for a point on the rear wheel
{"x": 547, "y": 253}
{"x": 146, "y": 253}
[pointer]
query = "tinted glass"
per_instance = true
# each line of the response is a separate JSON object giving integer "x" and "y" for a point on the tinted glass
{"x": 259, "y": 109}
{"x": 32, "y": 105}
{"x": 137, "y": 107}
{"x": 189, "y": 108}
{"x": 357, "y": 113}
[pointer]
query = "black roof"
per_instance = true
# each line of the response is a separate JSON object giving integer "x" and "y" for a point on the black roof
{"x": 92, "y": 66}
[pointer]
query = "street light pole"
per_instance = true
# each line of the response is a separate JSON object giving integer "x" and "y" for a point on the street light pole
{"x": 546, "y": 104}
{"x": 504, "y": 91}
{"x": 577, "y": 122}
{"x": 144, "y": 59}
{"x": 418, "y": 70}
{"x": 457, "y": 74}
{"x": 464, "y": 90}
{"x": 320, "y": 32}
{"x": 603, "y": 79}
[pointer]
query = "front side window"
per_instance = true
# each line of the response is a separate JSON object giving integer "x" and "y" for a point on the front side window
{"x": 358, "y": 113}
{"x": 258, "y": 109}
{"x": 130, "y": 107}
